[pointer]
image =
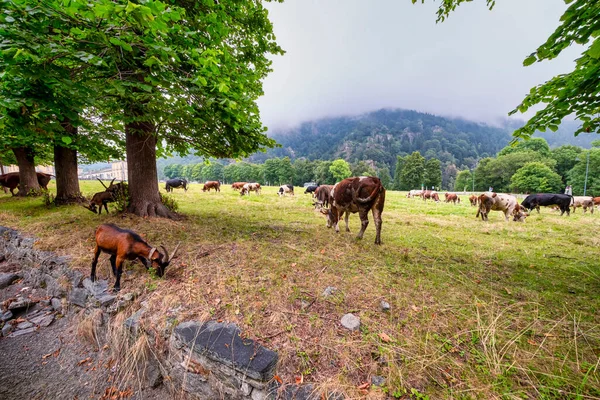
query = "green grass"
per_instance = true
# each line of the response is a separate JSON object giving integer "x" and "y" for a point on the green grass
{"x": 478, "y": 309}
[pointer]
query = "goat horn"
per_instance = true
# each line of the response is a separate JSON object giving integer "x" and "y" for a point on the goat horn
{"x": 174, "y": 251}
{"x": 164, "y": 249}
{"x": 102, "y": 183}
{"x": 111, "y": 182}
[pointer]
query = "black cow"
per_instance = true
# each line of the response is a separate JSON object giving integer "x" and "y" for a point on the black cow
{"x": 563, "y": 201}
{"x": 176, "y": 183}
{"x": 311, "y": 189}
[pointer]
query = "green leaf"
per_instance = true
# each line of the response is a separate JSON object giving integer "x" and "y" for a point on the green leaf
{"x": 529, "y": 60}
{"x": 66, "y": 140}
{"x": 594, "y": 50}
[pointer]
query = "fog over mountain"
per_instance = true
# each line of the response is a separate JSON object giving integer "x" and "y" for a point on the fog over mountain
{"x": 348, "y": 57}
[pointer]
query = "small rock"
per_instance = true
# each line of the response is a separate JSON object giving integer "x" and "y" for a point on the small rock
{"x": 56, "y": 304}
{"x": 37, "y": 319}
{"x": 246, "y": 389}
{"x": 128, "y": 297}
{"x": 7, "y": 279}
{"x": 329, "y": 290}
{"x": 20, "y": 303}
{"x": 106, "y": 299}
{"x": 6, "y": 316}
{"x": 78, "y": 297}
{"x": 45, "y": 302}
{"x": 351, "y": 322}
{"x": 24, "y": 325}
{"x": 7, "y": 329}
{"x": 23, "y": 332}
{"x": 258, "y": 394}
{"x": 377, "y": 380}
{"x": 153, "y": 374}
{"x": 47, "y": 320}
{"x": 132, "y": 323}
{"x": 95, "y": 288}
{"x": 385, "y": 306}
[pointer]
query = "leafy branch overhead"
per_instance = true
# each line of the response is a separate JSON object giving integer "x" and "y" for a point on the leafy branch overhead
{"x": 576, "y": 93}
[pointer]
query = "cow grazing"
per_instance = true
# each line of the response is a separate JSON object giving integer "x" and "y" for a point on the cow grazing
{"x": 311, "y": 189}
{"x": 519, "y": 213}
{"x": 583, "y": 201}
{"x": 238, "y": 185}
{"x": 250, "y": 187}
{"x": 176, "y": 183}
{"x": 11, "y": 180}
{"x": 497, "y": 202}
{"x": 212, "y": 185}
{"x": 473, "y": 200}
{"x": 321, "y": 196}
{"x": 452, "y": 197}
{"x": 414, "y": 193}
{"x": 123, "y": 244}
{"x": 359, "y": 194}
{"x": 563, "y": 201}
{"x": 430, "y": 194}
{"x": 596, "y": 201}
{"x": 283, "y": 189}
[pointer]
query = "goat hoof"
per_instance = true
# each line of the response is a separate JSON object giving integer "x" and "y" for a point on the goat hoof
{"x": 116, "y": 289}
{"x": 92, "y": 278}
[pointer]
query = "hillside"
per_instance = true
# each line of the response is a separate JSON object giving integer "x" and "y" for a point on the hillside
{"x": 382, "y": 135}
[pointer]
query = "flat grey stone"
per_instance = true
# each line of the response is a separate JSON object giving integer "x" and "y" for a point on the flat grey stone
{"x": 78, "y": 297}
{"x": 7, "y": 329}
{"x": 222, "y": 343}
{"x": 106, "y": 299}
{"x": 329, "y": 291}
{"x": 153, "y": 375}
{"x": 20, "y": 303}
{"x": 47, "y": 320}
{"x": 246, "y": 389}
{"x": 258, "y": 394}
{"x": 133, "y": 323}
{"x": 351, "y": 322}
{"x": 95, "y": 288}
{"x": 377, "y": 380}
{"x": 37, "y": 319}
{"x": 6, "y": 316}
{"x": 56, "y": 304}
{"x": 7, "y": 279}
{"x": 24, "y": 325}
{"x": 23, "y": 332}
{"x": 128, "y": 297}
{"x": 385, "y": 306}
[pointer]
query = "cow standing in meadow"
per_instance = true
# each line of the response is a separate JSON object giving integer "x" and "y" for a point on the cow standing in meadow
{"x": 452, "y": 197}
{"x": 583, "y": 201}
{"x": 250, "y": 187}
{"x": 212, "y": 185}
{"x": 11, "y": 180}
{"x": 414, "y": 193}
{"x": 238, "y": 185}
{"x": 473, "y": 200}
{"x": 359, "y": 194}
{"x": 283, "y": 189}
{"x": 430, "y": 194}
{"x": 311, "y": 189}
{"x": 175, "y": 183}
{"x": 321, "y": 196}
{"x": 563, "y": 201}
{"x": 498, "y": 202}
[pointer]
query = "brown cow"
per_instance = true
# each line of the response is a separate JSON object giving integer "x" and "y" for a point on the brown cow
{"x": 11, "y": 180}
{"x": 212, "y": 185}
{"x": 430, "y": 194}
{"x": 497, "y": 202}
{"x": 250, "y": 187}
{"x": 359, "y": 194}
{"x": 452, "y": 197}
{"x": 321, "y": 196}
{"x": 473, "y": 199}
{"x": 238, "y": 185}
{"x": 583, "y": 201}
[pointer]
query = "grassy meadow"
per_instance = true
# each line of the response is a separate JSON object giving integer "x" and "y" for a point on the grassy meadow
{"x": 479, "y": 310}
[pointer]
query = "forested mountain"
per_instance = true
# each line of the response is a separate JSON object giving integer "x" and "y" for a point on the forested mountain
{"x": 382, "y": 135}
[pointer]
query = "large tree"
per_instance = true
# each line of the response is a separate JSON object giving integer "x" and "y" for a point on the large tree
{"x": 181, "y": 75}
{"x": 566, "y": 94}
{"x": 412, "y": 174}
{"x": 535, "y": 177}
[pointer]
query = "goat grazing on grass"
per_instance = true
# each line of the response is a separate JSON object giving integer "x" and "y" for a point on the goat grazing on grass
{"x": 110, "y": 195}
{"x": 123, "y": 244}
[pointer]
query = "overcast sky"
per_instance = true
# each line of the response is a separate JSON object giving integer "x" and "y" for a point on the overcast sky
{"x": 346, "y": 57}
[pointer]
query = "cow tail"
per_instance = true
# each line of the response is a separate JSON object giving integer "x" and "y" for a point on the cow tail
{"x": 372, "y": 196}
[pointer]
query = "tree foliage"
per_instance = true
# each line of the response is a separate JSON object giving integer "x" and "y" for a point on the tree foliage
{"x": 413, "y": 171}
{"x": 432, "y": 173}
{"x": 566, "y": 158}
{"x": 576, "y": 177}
{"x": 340, "y": 169}
{"x": 464, "y": 181}
{"x": 536, "y": 177}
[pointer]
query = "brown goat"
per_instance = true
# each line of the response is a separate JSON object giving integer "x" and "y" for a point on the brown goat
{"x": 100, "y": 199}
{"x": 123, "y": 244}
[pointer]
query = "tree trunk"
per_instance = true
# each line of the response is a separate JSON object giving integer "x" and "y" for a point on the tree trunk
{"x": 65, "y": 165}
{"x": 28, "y": 182}
{"x": 142, "y": 173}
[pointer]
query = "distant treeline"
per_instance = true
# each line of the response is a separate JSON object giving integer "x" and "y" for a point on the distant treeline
{"x": 530, "y": 166}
